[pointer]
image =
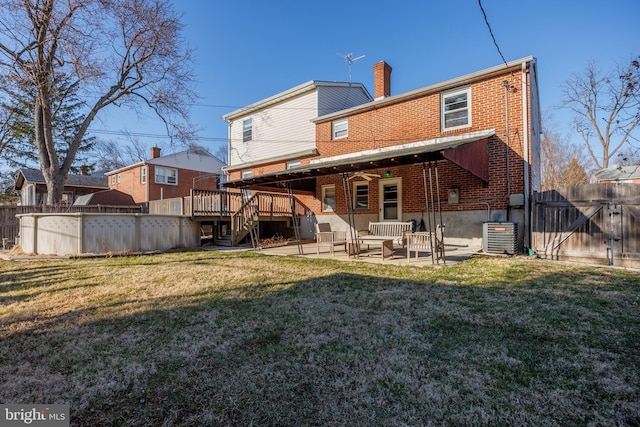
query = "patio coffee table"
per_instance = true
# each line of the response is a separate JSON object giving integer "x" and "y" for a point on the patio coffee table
{"x": 386, "y": 245}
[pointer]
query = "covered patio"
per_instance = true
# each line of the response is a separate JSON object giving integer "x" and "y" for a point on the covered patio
{"x": 468, "y": 151}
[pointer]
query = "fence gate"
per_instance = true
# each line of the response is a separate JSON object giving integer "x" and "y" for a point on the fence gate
{"x": 597, "y": 223}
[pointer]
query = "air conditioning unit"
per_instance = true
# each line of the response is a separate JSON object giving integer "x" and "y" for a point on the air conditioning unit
{"x": 500, "y": 237}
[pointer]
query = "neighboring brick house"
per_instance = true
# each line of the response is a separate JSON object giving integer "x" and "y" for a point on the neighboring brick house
{"x": 165, "y": 177}
{"x": 32, "y": 188}
{"x": 468, "y": 148}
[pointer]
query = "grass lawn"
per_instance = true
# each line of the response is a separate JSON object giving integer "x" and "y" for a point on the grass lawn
{"x": 241, "y": 339}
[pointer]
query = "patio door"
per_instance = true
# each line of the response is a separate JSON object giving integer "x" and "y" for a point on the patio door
{"x": 390, "y": 199}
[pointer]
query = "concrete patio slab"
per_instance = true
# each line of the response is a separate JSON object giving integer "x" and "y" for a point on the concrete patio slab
{"x": 453, "y": 255}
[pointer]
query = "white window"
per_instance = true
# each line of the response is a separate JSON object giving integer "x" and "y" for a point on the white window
{"x": 247, "y": 130}
{"x": 328, "y": 198}
{"x": 143, "y": 175}
{"x": 118, "y": 178}
{"x": 246, "y": 174}
{"x": 361, "y": 195}
{"x": 166, "y": 175}
{"x": 113, "y": 179}
{"x": 456, "y": 109}
{"x": 293, "y": 164}
{"x": 340, "y": 129}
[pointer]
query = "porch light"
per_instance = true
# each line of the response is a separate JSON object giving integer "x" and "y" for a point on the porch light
{"x": 387, "y": 174}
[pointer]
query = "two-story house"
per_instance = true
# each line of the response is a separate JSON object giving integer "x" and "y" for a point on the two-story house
{"x": 169, "y": 176}
{"x": 464, "y": 152}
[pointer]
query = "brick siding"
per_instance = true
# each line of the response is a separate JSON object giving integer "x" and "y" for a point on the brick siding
{"x": 419, "y": 119}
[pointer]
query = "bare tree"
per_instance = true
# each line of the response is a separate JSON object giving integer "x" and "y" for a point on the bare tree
{"x": 117, "y": 52}
{"x": 628, "y": 156}
{"x": 111, "y": 155}
{"x": 222, "y": 153}
{"x": 606, "y": 108}
{"x": 563, "y": 164}
{"x": 6, "y": 135}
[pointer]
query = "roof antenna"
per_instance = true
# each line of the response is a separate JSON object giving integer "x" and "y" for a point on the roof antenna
{"x": 350, "y": 60}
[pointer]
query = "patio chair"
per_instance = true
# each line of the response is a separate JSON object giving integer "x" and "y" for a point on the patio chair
{"x": 417, "y": 242}
{"x": 330, "y": 238}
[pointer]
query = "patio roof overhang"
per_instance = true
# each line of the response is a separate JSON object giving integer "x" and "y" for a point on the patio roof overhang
{"x": 468, "y": 151}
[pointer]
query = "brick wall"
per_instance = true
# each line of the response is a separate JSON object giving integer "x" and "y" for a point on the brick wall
{"x": 130, "y": 184}
{"x": 419, "y": 119}
{"x": 128, "y": 181}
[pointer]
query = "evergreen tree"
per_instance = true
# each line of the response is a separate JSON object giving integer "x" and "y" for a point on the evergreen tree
{"x": 66, "y": 120}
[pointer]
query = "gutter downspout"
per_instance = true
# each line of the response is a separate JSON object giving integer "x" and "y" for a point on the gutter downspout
{"x": 224, "y": 169}
{"x": 147, "y": 184}
{"x": 525, "y": 118}
{"x": 507, "y": 86}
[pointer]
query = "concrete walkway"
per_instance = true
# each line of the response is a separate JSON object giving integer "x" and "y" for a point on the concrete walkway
{"x": 453, "y": 255}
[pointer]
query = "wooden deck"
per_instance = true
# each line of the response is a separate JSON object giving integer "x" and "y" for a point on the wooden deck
{"x": 225, "y": 204}
{"x": 234, "y": 214}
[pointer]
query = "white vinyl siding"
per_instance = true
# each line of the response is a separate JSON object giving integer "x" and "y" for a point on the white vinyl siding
{"x": 277, "y": 131}
{"x": 286, "y": 127}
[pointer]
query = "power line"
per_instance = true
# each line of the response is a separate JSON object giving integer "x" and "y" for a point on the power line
{"x": 153, "y": 135}
{"x": 237, "y": 140}
{"x": 491, "y": 32}
{"x": 238, "y": 107}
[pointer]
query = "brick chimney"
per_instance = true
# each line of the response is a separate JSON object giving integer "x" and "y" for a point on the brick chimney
{"x": 155, "y": 152}
{"x": 381, "y": 80}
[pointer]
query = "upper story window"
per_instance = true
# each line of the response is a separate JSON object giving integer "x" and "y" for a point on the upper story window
{"x": 246, "y": 174}
{"x": 293, "y": 164}
{"x": 166, "y": 175}
{"x": 143, "y": 175}
{"x": 113, "y": 179}
{"x": 340, "y": 129}
{"x": 247, "y": 130}
{"x": 456, "y": 109}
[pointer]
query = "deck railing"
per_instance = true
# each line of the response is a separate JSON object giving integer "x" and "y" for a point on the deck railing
{"x": 226, "y": 203}
{"x": 213, "y": 203}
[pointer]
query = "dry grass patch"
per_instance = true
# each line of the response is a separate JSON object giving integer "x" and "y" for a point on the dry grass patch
{"x": 244, "y": 339}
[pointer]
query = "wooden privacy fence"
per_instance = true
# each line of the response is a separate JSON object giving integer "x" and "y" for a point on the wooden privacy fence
{"x": 597, "y": 223}
{"x": 10, "y": 225}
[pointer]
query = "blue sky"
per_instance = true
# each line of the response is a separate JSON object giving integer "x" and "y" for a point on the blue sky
{"x": 249, "y": 50}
